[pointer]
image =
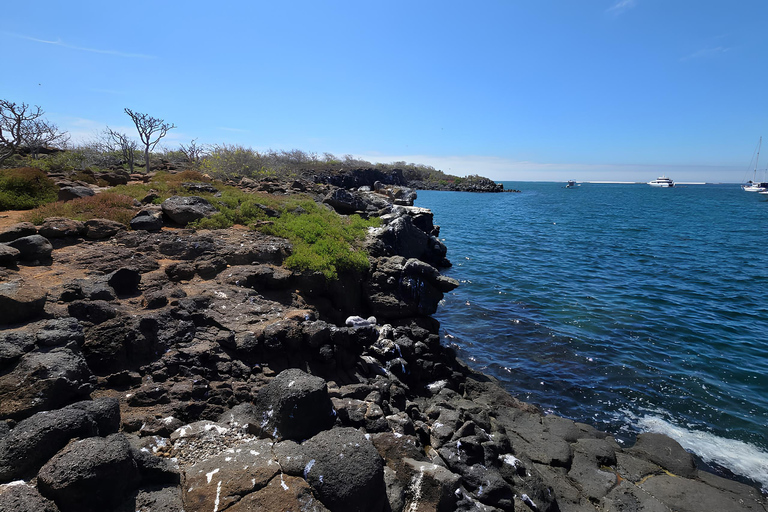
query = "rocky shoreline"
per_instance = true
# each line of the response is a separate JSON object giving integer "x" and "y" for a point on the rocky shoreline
{"x": 169, "y": 369}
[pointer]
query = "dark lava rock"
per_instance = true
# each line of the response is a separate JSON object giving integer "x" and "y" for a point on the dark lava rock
{"x": 102, "y": 228}
{"x": 36, "y": 439}
{"x": 221, "y": 479}
{"x": 60, "y": 332}
{"x": 94, "y": 311}
{"x": 20, "y": 300}
{"x": 13, "y": 345}
{"x": 18, "y": 230}
{"x": 75, "y": 192}
{"x": 93, "y": 474}
{"x": 180, "y": 271}
{"x": 52, "y": 378}
{"x": 125, "y": 281}
{"x": 294, "y": 405}
{"x": 345, "y": 202}
{"x": 8, "y": 255}
{"x": 183, "y": 210}
{"x": 666, "y": 452}
{"x": 114, "y": 178}
{"x": 148, "y": 220}
{"x": 198, "y": 186}
{"x": 33, "y": 247}
{"x": 59, "y": 227}
{"x": 154, "y": 499}
{"x": 345, "y": 470}
{"x": 22, "y": 497}
{"x": 104, "y": 411}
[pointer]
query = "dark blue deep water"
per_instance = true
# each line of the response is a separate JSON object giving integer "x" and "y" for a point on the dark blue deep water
{"x": 628, "y": 307}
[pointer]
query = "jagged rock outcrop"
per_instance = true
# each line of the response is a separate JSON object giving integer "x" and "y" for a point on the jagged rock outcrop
{"x": 202, "y": 355}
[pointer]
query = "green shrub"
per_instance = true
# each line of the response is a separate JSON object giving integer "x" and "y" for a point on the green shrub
{"x": 106, "y": 205}
{"x": 25, "y": 188}
{"x": 322, "y": 240}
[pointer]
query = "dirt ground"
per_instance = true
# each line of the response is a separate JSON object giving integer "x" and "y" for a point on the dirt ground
{"x": 10, "y": 217}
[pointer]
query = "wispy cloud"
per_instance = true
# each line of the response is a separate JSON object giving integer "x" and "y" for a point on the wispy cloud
{"x": 620, "y": 6}
{"x": 236, "y": 130}
{"x": 62, "y": 44}
{"x": 706, "y": 53}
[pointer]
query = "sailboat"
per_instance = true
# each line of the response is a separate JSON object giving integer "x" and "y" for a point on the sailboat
{"x": 753, "y": 185}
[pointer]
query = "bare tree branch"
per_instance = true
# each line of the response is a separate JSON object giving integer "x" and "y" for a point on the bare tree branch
{"x": 194, "y": 152}
{"x": 151, "y": 130}
{"x": 116, "y": 141}
{"x": 39, "y": 133}
{"x": 13, "y": 120}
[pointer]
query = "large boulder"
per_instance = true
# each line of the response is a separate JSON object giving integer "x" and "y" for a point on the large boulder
{"x": 666, "y": 452}
{"x": 33, "y": 248}
{"x": 221, "y": 479}
{"x": 59, "y": 227}
{"x": 402, "y": 288}
{"x": 102, "y": 228}
{"x": 90, "y": 475}
{"x": 19, "y": 496}
{"x": 125, "y": 281}
{"x": 18, "y": 230}
{"x": 36, "y": 439}
{"x": 183, "y": 210}
{"x": 44, "y": 380}
{"x": 148, "y": 220}
{"x": 75, "y": 192}
{"x": 345, "y": 470}
{"x": 294, "y": 405}
{"x": 400, "y": 236}
{"x": 20, "y": 300}
{"x": 8, "y": 255}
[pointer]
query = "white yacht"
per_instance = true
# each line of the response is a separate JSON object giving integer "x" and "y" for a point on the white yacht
{"x": 753, "y": 185}
{"x": 571, "y": 184}
{"x": 662, "y": 181}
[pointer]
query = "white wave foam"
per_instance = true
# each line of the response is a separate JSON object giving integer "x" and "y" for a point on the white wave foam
{"x": 737, "y": 456}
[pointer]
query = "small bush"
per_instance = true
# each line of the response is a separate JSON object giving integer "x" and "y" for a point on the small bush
{"x": 25, "y": 188}
{"x": 322, "y": 240}
{"x": 106, "y": 205}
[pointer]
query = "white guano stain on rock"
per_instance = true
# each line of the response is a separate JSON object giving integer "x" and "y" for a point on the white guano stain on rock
{"x": 416, "y": 490}
{"x": 218, "y": 496}
{"x": 210, "y": 475}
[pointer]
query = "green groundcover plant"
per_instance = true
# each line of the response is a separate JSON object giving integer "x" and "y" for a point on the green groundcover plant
{"x": 322, "y": 240}
{"x": 25, "y": 188}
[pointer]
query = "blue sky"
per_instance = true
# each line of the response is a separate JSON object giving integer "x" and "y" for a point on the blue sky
{"x": 510, "y": 89}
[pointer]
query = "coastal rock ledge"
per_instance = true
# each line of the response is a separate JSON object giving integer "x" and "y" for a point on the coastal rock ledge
{"x": 189, "y": 370}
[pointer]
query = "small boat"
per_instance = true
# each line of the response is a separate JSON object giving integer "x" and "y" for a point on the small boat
{"x": 755, "y": 186}
{"x": 752, "y": 185}
{"x": 571, "y": 184}
{"x": 662, "y": 181}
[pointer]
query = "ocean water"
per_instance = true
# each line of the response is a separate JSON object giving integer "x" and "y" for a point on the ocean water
{"x": 628, "y": 307}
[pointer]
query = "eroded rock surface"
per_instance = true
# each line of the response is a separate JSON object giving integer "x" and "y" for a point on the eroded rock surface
{"x": 173, "y": 369}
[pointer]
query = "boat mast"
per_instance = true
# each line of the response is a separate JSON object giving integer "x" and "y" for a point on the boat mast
{"x": 759, "y": 144}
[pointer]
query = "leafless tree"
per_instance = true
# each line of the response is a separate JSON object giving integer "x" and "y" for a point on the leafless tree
{"x": 13, "y": 121}
{"x": 150, "y": 129}
{"x": 194, "y": 152}
{"x": 39, "y": 133}
{"x": 116, "y": 141}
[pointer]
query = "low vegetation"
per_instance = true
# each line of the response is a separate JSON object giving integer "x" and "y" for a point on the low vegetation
{"x": 25, "y": 188}
{"x": 322, "y": 240}
{"x": 107, "y": 205}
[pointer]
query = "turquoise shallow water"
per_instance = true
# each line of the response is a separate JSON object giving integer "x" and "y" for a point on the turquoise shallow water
{"x": 629, "y": 307}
